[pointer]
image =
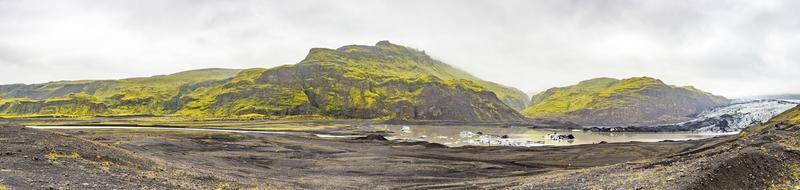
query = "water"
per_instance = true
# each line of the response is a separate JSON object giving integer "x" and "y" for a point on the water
{"x": 455, "y": 136}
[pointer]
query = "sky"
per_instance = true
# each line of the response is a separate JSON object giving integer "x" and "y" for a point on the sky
{"x": 730, "y": 48}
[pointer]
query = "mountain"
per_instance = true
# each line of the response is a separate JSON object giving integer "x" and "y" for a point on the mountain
{"x": 381, "y": 81}
{"x": 778, "y": 97}
{"x": 608, "y": 101}
{"x": 146, "y": 95}
{"x": 385, "y": 81}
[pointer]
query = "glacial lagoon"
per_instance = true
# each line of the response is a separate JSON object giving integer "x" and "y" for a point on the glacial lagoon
{"x": 456, "y": 136}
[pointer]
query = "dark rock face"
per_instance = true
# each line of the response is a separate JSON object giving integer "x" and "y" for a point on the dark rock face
{"x": 325, "y": 90}
{"x": 661, "y": 105}
{"x": 367, "y": 82}
{"x": 373, "y": 137}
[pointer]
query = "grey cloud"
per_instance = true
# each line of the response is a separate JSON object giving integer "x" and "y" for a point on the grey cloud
{"x": 733, "y": 48}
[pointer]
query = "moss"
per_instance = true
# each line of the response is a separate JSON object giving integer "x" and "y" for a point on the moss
{"x": 56, "y": 155}
{"x": 4, "y": 187}
{"x": 791, "y": 115}
{"x": 252, "y": 115}
{"x": 600, "y": 94}
{"x": 743, "y": 134}
{"x": 394, "y": 61}
{"x": 249, "y": 75}
{"x": 351, "y": 81}
{"x": 795, "y": 169}
{"x": 223, "y": 186}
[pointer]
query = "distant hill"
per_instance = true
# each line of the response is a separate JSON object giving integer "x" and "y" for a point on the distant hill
{"x": 368, "y": 82}
{"x": 145, "y": 95}
{"x": 608, "y": 101}
{"x": 778, "y": 96}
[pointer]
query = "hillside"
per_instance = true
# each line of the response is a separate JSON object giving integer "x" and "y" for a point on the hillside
{"x": 791, "y": 116}
{"x": 145, "y": 95}
{"x": 760, "y": 157}
{"x": 365, "y": 82}
{"x": 608, "y": 101}
{"x": 382, "y": 81}
{"x": 389, "y": 60}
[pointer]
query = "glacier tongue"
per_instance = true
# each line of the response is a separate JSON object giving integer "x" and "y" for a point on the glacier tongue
{"x": 739, "y": 115}
{"x": 732, "y": 118}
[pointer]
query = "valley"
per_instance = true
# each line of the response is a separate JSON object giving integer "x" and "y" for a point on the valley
{"x": 385, "y": 116}
{"x": 399, "y": 95}
{"x": 198, "y": 159}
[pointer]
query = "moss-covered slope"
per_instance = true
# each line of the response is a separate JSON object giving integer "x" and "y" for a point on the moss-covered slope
{"x": 135, "y": 96}
{"x": 391, "y": 60}
{"x": 607, "y": 101}
{"x": 792, "y": 116}
{"x": 382, "y": 81}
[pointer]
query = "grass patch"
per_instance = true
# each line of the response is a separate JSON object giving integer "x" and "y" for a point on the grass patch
{"x": 106, "y": 165}
{"x": 180, "y": 174}
{"x": 743, "y": 134}
{"x": 223, "y": 186}
{"x": 56, "y": 155}
{"x": 4, "y": 187}
{"x": 795, "y": 169}
{"x": 350, "y": 82}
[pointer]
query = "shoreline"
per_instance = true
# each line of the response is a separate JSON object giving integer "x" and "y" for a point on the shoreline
{"x": 290, "y": 161}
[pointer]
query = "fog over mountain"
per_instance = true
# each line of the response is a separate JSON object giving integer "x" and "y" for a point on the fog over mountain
{"x": 730, "y": 48}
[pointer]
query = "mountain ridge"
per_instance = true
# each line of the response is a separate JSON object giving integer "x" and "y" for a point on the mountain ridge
{"x": 609, "y": 101}
{"x": 354, "y": 81}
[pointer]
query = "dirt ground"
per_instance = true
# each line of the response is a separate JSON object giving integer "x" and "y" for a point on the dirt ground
{"x": 762, "y": 159}
{"x": 147, "y": 159}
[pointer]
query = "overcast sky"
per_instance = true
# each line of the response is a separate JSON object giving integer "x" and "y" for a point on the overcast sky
{"x": 731, "y": 48}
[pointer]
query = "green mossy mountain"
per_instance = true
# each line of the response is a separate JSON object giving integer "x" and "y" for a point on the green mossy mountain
{"x": 608, "y": 101}
{"x": 385, "y": 81}
{"x": 154, "y": 95}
